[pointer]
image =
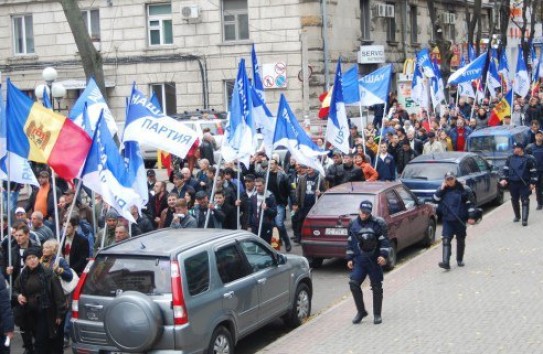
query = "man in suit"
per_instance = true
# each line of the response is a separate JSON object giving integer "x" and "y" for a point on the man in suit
{"x": 76, "y": 247}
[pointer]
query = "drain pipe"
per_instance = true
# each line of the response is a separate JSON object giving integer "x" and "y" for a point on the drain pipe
{"x": 203, "y": 73}
{"x": 324, "y": 14}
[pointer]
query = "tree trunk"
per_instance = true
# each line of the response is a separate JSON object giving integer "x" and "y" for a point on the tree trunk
{"x": 505, "y": 14}
{"x": 440, "y": 42}
{"x": 91, "y": 59}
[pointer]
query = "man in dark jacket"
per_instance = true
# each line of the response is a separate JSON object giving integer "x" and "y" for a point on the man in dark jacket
{"x": 262, "y": 201}
{"x": 75, "y": 249}
{"x": 6, "y": 315}
{"x": 279, "y": 185}
{"x": 207, "y": 149}
{"x": 42, "y": 199}
{"x": 405, "y": 155}
{"x": 536, "y": 150}
{"x": 22, "y": 242}
{"x": 348, "y": 172}
{"x": 230, "y": 213}
{"x": 334, "y": 171}
{"x": 200, "y": 210}
{"x": 454, "y": 201}
{"x": 459, "y": 135}
{"x": 534, "y": 111}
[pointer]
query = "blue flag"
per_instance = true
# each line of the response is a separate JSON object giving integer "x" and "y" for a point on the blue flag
{"x": 503, "y": 71}
{"x": 105, "y": 173}
{"x": 425, "y": 63}
{"x": 470, "y": 72}
{"x": 240, "y": 133}
{"x": 374, "y": 87}
{"x": 154, "y": 100}
{"x": 45, "y": 99}
{"x": 472, "y": 55}
{"x": 493, "y": 81}
{"x": 289, "y": 133}
{"x": 351, "y": 92}
{"x": 521, "y": 84}
{"x": 19, "y": 167}
{"x": 337, "y": 130}
{"x": 438, "y": 90}
{"x": 257, "y": 79}
{"x": 96, "y": 103}
{"x": 264, "y": 121}
{"x": 419, "y": 88}
{"x": 146, "y": 124}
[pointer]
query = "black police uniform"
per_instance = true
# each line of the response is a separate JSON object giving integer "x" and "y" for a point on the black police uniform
{"x": 520, "y": 172}
{"x": 453, "y": 206}
{"x": 368, "y": 240}
{"x": 537, "y": 152}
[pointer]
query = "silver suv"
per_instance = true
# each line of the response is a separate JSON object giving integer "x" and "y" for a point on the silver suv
{"x": 186, "y": 291}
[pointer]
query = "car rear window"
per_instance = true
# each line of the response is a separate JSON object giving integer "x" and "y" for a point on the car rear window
{"x": 111, "y": 275}
{"x": 197, "y": 271}
{"x": 340, "y": 204}
{"x": 489, "y": 143}
{"x": 429, "y": 171}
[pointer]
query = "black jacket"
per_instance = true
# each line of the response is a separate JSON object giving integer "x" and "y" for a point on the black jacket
{"x": 453, "y": 203}
{"x": 79, "y": 252}
{"x": 6, "y": 315}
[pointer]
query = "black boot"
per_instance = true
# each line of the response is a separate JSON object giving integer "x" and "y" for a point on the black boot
{"x": 377, "y": 303}
{"x": 516, "y": 210}
{"x": 525, "y": 212}
{"x": 446, "y": 254}
{"x": 358, "y": 301}
{"x": 460, "y": 248}
{"x": 283, "y": 235}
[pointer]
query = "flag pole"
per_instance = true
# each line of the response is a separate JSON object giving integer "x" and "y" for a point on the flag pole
{"x": 55, "y": 201}
{"x": 380, "y": 137}
{"x": 362, "y": 126}
{"x": 238, "y": 196}
{"x": 93, "y": 196}
{"x": 261, "y": 218}
{"x": 10, "y": 260}
{"x": 103, "y": 240}
{"x": 68, "y": 216}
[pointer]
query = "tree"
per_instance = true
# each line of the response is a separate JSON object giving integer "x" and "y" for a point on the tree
{"x": 473, "y": 17}
{"x": 444, "y": 45}
{"x": 91, "y": 59}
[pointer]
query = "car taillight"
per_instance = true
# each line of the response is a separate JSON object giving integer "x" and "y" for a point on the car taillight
{"x": 180, "y": 315}
{"x": 77, "y": 292}
{"x": 306, "y": 229}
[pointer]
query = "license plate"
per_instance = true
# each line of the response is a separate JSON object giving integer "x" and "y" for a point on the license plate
{"x": 336, "y": 231}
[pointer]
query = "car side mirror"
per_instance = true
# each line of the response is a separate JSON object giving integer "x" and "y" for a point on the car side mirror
{"x": 281, "y": 259}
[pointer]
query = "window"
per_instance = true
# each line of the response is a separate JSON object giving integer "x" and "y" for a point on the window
{"x": 365, "y": 19}
{"x": 482, "y": 164}
{"x": 230, "y": 264}
{"x": 228, "y": 90}
{"x": 450, "y": 27}
{"x": 166, "y": 96}
{"x": 391, "y": 26}
{"x": 197, "y": 270}
{"x": 160, "y": 24}
{"x": 23, "y": 34}
{"x": 407, "y": 197}
{"x": 258, "y": 257}
{"x": 235, "y": 20}
{"x": 92, "y": 22}
{"x": 394, "y": 203}
{"x": 413, "y": 18}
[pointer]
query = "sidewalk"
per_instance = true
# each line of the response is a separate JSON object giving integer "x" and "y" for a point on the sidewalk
{"x": 492, "y": 305}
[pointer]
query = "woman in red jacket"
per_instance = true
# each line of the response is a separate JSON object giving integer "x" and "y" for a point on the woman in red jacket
{"x": 369, "y": 172}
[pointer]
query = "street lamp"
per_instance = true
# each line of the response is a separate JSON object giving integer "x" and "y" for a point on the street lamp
{"x": 55, "y": 91}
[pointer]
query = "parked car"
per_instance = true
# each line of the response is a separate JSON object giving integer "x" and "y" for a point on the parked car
{"x": 325, "y": 229}
{"x": 425, "y": 173}
{"x": 494, "y": 144}
{"x": 186, "y": 291}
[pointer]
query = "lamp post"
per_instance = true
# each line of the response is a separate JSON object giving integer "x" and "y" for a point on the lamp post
{"x": 55, "y": 91}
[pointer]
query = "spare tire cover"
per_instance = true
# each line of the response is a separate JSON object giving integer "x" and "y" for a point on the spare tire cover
{"x": 133, "y": 322}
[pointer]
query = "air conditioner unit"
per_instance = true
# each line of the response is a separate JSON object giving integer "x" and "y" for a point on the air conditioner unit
{"x": 444, "y": 18}
{"x": 452, "y": 18}
{"x": 389, "y": 11}
{"x": 380, "y": 10}
{"x": 190, "y": 13}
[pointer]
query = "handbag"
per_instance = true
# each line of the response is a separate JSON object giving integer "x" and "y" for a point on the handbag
{"x": 69, "y": 286}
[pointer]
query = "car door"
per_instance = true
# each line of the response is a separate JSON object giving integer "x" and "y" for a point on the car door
{"x": 417, "y": 221}
{"x": 273, "y": 279}
{"x": 240, "y": 290}
{"x": 399, "y": 220}
{"x": 490, "y": 177}
{"x": 481, "y": 181}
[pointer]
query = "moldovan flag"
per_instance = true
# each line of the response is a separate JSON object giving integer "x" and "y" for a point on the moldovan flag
{"x": 502, "y": 109}
{"x": 39, "y": 134}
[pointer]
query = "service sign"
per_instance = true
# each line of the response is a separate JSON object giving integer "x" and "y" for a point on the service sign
{"x": 371, "y": 54}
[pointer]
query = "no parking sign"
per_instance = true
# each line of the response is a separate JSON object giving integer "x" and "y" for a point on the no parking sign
{"x": 275, "y": 75}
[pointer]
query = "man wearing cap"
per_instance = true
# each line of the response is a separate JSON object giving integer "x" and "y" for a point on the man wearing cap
{"x": 432, "y": 145}
{"x": 200, "y": 210}
{"x": 536, "y": 150}
{"x": 112, "y": 219}
{"x": 41, "y": 198}
{"x": 69, "y": 198}
{"x": 454, "y": 201}
{"x": 151, "y": 180}
{"x": 367, "y": 250}
{"x": 520, "y": 173}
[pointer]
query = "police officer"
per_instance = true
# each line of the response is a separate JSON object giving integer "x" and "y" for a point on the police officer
{"x": 367, "y": 250}
{"x": 536, "y": 150}
{"x": 454, "y": 202}
{"x": 520, "y": 174}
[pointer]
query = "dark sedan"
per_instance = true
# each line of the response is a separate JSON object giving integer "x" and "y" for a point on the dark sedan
{"x": 425, "y": 173}
{"x": 324, "y": 232}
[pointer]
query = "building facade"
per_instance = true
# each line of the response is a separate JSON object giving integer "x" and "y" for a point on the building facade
{"x": 188, "y": 51}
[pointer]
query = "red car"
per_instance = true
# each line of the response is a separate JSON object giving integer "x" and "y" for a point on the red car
{"x": 324, "y": 232}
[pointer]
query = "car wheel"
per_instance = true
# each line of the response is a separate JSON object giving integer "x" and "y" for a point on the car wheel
{"x": 500, "y": 198}
{"x": 391, "y": 261}
{"x": 221, "y": 342}
{"x": 301, "y": 307}
{"x": 430, "y": 234}
{"x": 138, "y": 312}
{"x": 315, "y": 262}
